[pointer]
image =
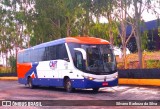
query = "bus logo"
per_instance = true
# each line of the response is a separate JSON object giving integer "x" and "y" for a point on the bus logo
{"x": 53, "y": 65}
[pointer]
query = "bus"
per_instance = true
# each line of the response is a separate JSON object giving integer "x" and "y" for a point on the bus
{"x": 71, "y": 62}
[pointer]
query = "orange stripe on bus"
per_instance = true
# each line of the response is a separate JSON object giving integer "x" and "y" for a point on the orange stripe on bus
{"x": 87, "y": 40}
{"x": 23, "y": 68}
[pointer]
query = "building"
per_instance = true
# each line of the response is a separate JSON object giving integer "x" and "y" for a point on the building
{"x": 153, "y": 35}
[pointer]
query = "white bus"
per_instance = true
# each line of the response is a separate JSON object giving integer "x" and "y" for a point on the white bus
{"x": 72, "y": 62}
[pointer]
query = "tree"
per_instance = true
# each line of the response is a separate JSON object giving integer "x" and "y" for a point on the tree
{"x": 24, "y": 17}
{"x": 71, "y": 9}
{"x": 7, "y": 29}
{"x": 13, "y": 26}
{"x": 122, "y": 15}
{"x": 12, "y": 63}
{"x": 99, "y": 30}
{"x": 129, "y": 13}
{"x": 106, "y": 9}
{"x": 53, "y": 19}
{"x": 139, "y": 6}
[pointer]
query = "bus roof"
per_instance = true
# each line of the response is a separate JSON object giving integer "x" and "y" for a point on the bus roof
{"x": 87, "y": 40}
{"x": 82, "y": 40}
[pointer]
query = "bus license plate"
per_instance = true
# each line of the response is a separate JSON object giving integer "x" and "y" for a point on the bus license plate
{"x": 104, "y": 84}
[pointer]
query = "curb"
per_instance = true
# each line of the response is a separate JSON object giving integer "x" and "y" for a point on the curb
{"x": 9, "y": 78}
{"x": 147, "y": 82}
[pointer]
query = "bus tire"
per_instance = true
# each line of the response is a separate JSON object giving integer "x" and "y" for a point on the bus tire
{"x": 30, "y": 84}
{"x": 95, "y": 90}
{"x": 68, "y": 85}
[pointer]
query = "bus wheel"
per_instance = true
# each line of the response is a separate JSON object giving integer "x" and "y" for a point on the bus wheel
{"x": 30, "y": 84}
{"x": 68, "y": 85}
{"x": 95, "y": 89}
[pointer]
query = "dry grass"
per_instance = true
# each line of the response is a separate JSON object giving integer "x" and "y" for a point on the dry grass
{"x": 5, "y": 69}
{"x": 150, "y": 60}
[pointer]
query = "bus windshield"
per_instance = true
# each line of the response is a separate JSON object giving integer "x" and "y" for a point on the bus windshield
{"x": 100, "y": 58}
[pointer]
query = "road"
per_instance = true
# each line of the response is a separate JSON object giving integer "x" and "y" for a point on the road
{"x": 12, "y": 90}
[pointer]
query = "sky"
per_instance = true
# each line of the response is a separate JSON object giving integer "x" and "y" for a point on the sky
{"x": 146, "y": 15}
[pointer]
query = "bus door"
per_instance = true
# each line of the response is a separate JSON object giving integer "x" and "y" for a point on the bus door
{"x": 79, "y": 60}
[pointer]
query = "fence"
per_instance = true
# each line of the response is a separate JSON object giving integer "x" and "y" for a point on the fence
{"x": 140, "y": 73}
{"x": 8, "y": 74}
{"x": 149, "y": 60}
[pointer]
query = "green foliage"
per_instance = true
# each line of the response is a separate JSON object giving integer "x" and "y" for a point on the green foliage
{"x": 144, "y": 38}
{"x": 99, "y": 30}
{"x": 6, "y": 2}
{"x": 53, "y": 18}
{"x": 159, "y": 31}
{"x": 153, "y": 64}
{"x": 61, "y": 18}
{"x": 12, "y": 63}
{"x": 102, "y": 30}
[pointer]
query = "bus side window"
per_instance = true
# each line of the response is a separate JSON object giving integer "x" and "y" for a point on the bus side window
{"x": 61, "y": 52}
{"x": 52, "y": 53}
{"x": 41, "y": 52}
{"x": 20, "y": 57}
{"x": 46, "y": 54}
{"x": 26, "y": 57}
{"x": 34, "y": 55}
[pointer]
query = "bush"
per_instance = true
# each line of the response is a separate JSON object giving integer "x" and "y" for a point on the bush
{"x": 12, "y": 63}
{"x": 153, "y": 64}
{"x": 120, "y": 65}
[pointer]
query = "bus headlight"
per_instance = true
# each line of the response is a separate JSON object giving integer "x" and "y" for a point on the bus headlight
{"x": 89, "y": 78}
{"x": 115, "y": 76}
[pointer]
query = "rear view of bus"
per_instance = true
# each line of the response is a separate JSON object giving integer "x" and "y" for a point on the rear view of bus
{"x": 72, "y": 63}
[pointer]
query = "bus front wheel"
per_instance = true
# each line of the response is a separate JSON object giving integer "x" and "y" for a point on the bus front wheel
{"x": 68, "y": 85}
{"x": 95, "y": 89}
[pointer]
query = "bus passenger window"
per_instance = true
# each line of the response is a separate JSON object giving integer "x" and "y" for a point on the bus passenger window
{"x": 41, "y": 54}
{"x": 52, "y": 52}
{"x": 26, "y": 57}
{"x": 34, "y": 56}
{"x": 20, "y": 57}
{"x": 61, "y": 52}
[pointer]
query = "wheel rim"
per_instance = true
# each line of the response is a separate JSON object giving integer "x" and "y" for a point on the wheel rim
{"x": 68, "y": 85}
{"x": 30, "y": 83}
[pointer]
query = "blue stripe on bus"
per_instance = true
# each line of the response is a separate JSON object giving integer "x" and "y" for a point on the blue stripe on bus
{"x": 43, "y": 81}
{"x": 33, "y": 69}
{"x": 85, "y": 83}
{"x": 76, "y": 83}
{"x": 51, "y": 43}
{"x": 48, "y": 82}
{"x": 22, "y": 80}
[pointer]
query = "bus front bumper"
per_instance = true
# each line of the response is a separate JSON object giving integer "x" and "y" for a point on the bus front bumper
{"x": 85, "y": 83}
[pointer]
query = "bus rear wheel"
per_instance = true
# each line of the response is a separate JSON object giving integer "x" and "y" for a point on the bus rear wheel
{"x": 30, "y": 84}
{"x": 68, "y": 85}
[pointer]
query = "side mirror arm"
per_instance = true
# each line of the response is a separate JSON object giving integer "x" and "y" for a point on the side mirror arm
{"x": 84, "y": 54}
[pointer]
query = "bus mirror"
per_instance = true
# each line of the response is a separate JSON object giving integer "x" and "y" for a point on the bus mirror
{"x": 82, "y": 51}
